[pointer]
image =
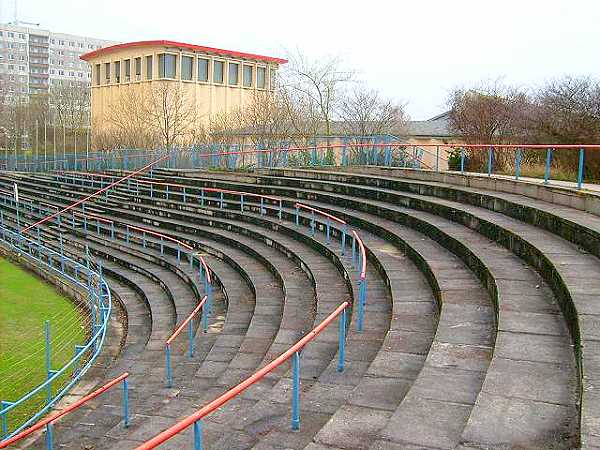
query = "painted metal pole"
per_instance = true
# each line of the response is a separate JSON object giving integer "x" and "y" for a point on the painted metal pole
{"x": 580, "y": 168}
{"x": 462, "y": 160}
{"x": 191, "y": 338}
{"x": 48, "y": 361}
{"x": 548, "y": 163}
{"x": 437, "y": 158}
{"x": 361, "y": 305}
{"x": 198, "y": 444}
{"x": 342, "y": 342}
{"x": 49, "y": 436}
{"x": 169, "y": 369}
{"x": 490, "y": 161}
{"x": 296, "y": 391}
{"x": 125, "y": 403}
{"x": 343, "y": 241}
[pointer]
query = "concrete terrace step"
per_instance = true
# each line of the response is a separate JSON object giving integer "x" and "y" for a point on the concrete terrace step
{"x": 512, "y": 278}
{"x": 481, "y": 316}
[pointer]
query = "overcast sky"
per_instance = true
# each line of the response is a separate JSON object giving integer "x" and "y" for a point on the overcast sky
{"x": 410, "y": 50}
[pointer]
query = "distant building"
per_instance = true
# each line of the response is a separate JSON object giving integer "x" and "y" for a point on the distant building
{"x": 212, "y": 80}
{"x": 33, "y": 59}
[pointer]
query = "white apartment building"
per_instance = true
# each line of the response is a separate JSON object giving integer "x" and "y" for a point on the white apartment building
{"x": 33, "y": 59}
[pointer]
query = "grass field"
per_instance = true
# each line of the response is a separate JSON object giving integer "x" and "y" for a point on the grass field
{"x": 26, "y": 302}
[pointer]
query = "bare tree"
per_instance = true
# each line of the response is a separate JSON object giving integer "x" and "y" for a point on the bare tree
{"x": 487, "y": 114}
{"x": 365, "y": 113}
{"x": 171, "y": 113}
{"x": 316, "y": 85}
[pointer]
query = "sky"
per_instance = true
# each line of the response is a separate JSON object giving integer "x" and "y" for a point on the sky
{"x": 411, "y": 51}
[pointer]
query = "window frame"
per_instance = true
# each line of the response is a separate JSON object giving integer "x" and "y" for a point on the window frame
{"x": 198, "y": 59}
{"x": 191, "y": 58}
{"x": 237, "y": 73}
{"x": 127, "y": 67}
{"x": 264, "y": 69}
{"x": 223, "y": 63}
{"x": 244, "y": 67}
{"x": 151, "y": 59}
{"x": 164, "y": 77}
{"x": 137, "y": 67}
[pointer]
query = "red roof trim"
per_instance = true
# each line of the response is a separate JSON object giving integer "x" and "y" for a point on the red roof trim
{"x": 198, "y": 48}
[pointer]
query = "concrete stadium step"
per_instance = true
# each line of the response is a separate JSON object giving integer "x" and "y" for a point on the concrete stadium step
{"x": 512, "y": 279}
{"x": 478, "y": 310}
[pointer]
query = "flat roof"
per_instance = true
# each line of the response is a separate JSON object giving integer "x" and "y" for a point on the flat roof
{"x": 183, "y": 45}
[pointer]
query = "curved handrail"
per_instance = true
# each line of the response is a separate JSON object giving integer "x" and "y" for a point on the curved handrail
{"x": 73, "y": 406}
{"x": 363, "y": 253}
{"x": 239, "y": 388}
{"x": 180, "y": 328}
{"x": 97, "y": 336}
{"x": 322, "y": 213}
{"x": 95, "y": 194}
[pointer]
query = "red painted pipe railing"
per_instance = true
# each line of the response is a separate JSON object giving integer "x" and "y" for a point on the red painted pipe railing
{"x": 321, "y": 213}
{"x": 177, "y": 332}
{"x": 363, "y": 253}
{"x": 95, "y": 194}
{"x": 232, "y": 393}
{"x": 73, "y": 406}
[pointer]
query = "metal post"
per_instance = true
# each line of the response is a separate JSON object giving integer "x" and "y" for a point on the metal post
{"x": 490, "y": 161}
{"x": 548, "y": 162}
{"x": 296, "y": 392}
{"x": 49, "y": 436}
{"x": 198, "y": 435}
{"x": 342, "y": 342}
{"x": 518, "y": 157}
{"x": 48, "y": 361}
{"x": 361, "y": 306}
{"x": 191, "y": 337}
{"x": 328, "y": 229}
{"x": 169, "y": 369}
{"x": 344, "y": 232}
{"x": 580, "y": 168}
{"x": 462, "y": 160}
{"x": 312, "y": 222}
{"x": 125, "y": 403}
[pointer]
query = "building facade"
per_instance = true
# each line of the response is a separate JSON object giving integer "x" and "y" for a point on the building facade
{"x": 211, "y": 80}
{"x": 33, "y": 59}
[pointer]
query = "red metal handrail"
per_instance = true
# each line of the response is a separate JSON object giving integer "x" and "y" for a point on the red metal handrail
{"x": 233, "y": 392}
{"x": 322, "y": 213}
{"x": 177, "y": 332}
{"x": 207, "y": 189}
{"x": 100, "y": 191}
{"x": 53, "y": 417}
{"x": 361, "y": 245}
{"x": 160, "y": 235}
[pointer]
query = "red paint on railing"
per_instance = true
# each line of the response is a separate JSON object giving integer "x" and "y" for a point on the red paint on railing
{"x": 187, "y": 320}
{"x": 361, "y": 245}
{"x": 322, "y": 213}
{"x": 160, "y": 235}
{"x": 233, "y": 392}
{"x": 100, "y": 191}
{"x": 53, "y": 417}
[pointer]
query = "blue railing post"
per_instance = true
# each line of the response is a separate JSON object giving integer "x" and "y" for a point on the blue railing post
{"x": 328, "y": 230}
{"x": 296, "y": 391}
{"x": 262, "y": 206}
{"x": 518, "y": 157}
{"x": 125, "y": 403}
{"x": 4, "y": 418}
{"x": 342, "y": 342}
{"x": 437, "y": 158}
{"x": 48, "y": 360}
{"x": 548, "y": 162}
{"x": 297, "y": 216}
{"x": 361, "y": 306}
{"x": 191, "y": 338}
{"x": 343, "y": 241}
{"x": 169, "y": 368}
{"x": 344, "y": 151}
{"x": 312, "y": 222}
{"x": 49, "y": 436}
{"x": 242, "y": 202}
{"x": 490, "y": 161}
{"x": 198, "y": 444}
{"x": 580, "y": 168}
{"x": 462, "y": 160}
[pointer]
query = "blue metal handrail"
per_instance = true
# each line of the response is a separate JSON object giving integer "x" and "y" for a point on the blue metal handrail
{"x": 25, "y": 246}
